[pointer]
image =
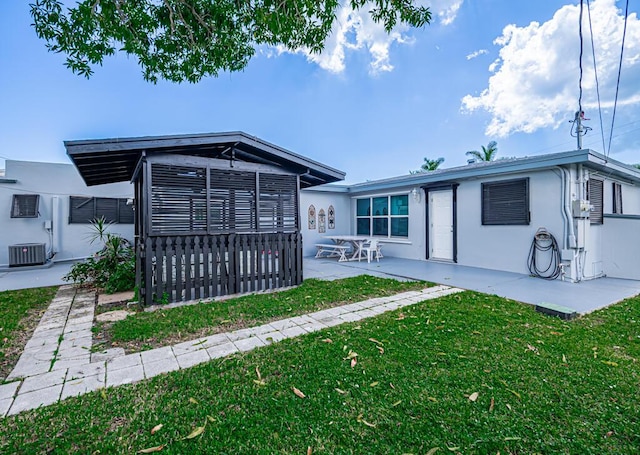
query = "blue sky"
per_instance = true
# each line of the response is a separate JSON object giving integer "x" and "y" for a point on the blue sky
{"x": 371, "y": 105}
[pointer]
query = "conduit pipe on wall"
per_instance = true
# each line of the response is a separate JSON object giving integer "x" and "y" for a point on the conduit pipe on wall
{"x": 569, "y": 239}
{"x": 55, "y": 231}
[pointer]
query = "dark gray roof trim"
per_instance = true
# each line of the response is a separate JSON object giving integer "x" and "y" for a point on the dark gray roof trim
{"x": 589, "y": 158}
{"x": 114, "y": 160}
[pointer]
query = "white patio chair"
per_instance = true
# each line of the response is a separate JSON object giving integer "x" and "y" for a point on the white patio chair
{"x": 370, "y": 247}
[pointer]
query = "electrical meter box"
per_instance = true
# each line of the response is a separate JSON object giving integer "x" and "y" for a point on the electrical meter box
{"x": 581, "y": 208}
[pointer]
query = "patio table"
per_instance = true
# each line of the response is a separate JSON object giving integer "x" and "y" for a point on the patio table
{"x": 355, "y": 241}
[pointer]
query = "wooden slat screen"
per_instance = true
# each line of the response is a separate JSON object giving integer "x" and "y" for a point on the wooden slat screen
{"x": 178, "y": 199}
{"x": 232, "y": 206}
{"x": 278, "y": 203}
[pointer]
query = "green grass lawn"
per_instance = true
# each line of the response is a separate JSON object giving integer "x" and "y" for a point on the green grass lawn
{"x": 19, "y": 314}
{"x": 540, "y": 385}
{"x": 184, "y": 323}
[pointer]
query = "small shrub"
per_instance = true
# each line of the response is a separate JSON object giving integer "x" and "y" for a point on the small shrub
{"x": 112, "y": 268}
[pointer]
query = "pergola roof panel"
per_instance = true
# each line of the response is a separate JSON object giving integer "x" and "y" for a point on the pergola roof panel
{"x": 115, "y": 160}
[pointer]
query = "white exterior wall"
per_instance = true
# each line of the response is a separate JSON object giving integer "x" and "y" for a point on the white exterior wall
{"x": 411, "y": 247}
{"x": 54, "y": 183}
{"x": 621, "y": 247}
{"x": 612, "y": 247}
{"x": 507, "y": 247}
{"x": 322, "y": 198}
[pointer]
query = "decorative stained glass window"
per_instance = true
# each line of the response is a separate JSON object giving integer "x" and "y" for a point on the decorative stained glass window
{"x": 322, "y": 221}
{"x": 332, "y": 217}
{"x": 312, "y": 217}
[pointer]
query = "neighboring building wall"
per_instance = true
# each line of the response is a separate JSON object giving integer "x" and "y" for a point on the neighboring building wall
{"x": 321, "y": 198}
{"x": 54, "y": 183}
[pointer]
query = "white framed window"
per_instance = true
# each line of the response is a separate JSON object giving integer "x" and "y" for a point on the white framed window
{"x": 383, "y": 216}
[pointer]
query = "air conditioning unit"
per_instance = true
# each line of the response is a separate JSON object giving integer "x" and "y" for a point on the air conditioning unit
{"x": 27, "y": 254}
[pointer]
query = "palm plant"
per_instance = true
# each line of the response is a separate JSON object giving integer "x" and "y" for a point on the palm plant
{"x": 428, "y": 165}
{"x": 431, "y": 165}
{"x": 488, "y": 153}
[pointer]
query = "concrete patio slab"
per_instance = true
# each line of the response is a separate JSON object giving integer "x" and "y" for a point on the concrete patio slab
{"x": 8, "y": 390}
{"x": 43, "y": 381}
{"x": 247, "y": 344}
{"x": 222, "y": 350}
{"x": 192, "y": 358}
{"x": 81, "y": 386}
{"x": 35, "y": 399}
{"x": 123, "y": 376}
{"x": 5, "y": 404}
{"x": 582, "y": 297}
{"x": 124, "y": 362}
{"x": 152, "y": 369}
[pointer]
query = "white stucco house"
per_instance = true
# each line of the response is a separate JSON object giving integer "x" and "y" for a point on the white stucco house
{"x": 45, "y": 210}
{"x": 486, "y": 214}
{"x": 481, "y": 215}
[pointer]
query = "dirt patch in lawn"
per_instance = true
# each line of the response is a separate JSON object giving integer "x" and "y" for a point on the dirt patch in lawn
{"x": 15, "y": 346}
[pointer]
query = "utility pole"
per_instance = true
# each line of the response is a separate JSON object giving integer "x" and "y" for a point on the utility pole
{"x": 578, "y": 129}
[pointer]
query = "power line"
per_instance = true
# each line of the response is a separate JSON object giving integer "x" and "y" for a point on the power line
{"x": 615, "y": 102}
{"x": 580, "y": 61}
{"x": 595, "y": 70}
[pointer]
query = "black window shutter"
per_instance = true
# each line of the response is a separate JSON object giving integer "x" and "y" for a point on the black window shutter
{"x": 617, "y": 197}
{"x": 25, "y": 206}
{"x": 125, "y": 212}
{"x": 107, "y": 208}
{"x": 595, "y": 196}
{"x": 81, "y": 209}
{"x": 505, "y": 202}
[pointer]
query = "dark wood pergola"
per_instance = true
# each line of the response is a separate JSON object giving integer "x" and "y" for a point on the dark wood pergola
{"x": 216, "y": 214}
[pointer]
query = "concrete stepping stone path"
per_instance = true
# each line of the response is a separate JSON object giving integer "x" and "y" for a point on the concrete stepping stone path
{"x": 57, "y": 362}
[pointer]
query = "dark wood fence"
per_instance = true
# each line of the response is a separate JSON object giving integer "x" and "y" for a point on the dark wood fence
{"x": 189, "y": 267}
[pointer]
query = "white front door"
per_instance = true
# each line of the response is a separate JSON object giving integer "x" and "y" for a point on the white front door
{"x": 441, "y": 225}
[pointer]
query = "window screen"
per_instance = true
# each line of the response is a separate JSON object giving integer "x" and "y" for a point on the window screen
{"x": 594, "y": 194}
{"x": 505, "y": 202}
{"x": 25, "y": 206}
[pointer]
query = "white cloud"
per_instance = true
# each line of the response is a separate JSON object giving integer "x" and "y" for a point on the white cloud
{"x": 477, "y": 54}
{"x": 355, "y": 31}
{"x": 535, "y": 80}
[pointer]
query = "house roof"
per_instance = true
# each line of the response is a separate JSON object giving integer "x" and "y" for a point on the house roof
{"x": 588, "y": 158}
{"x": 115, "y": 160}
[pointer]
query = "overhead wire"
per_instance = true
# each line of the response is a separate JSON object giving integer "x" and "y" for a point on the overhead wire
{"x": 615, "y": 102}
{"x": 580, "y": 59}
{"x": 595, "y": 70}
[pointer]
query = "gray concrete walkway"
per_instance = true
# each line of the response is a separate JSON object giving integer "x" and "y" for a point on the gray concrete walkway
{"x": 57, "y": 362}
{"x": 34, "y": 277}
{"x": 582, "y": 297}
